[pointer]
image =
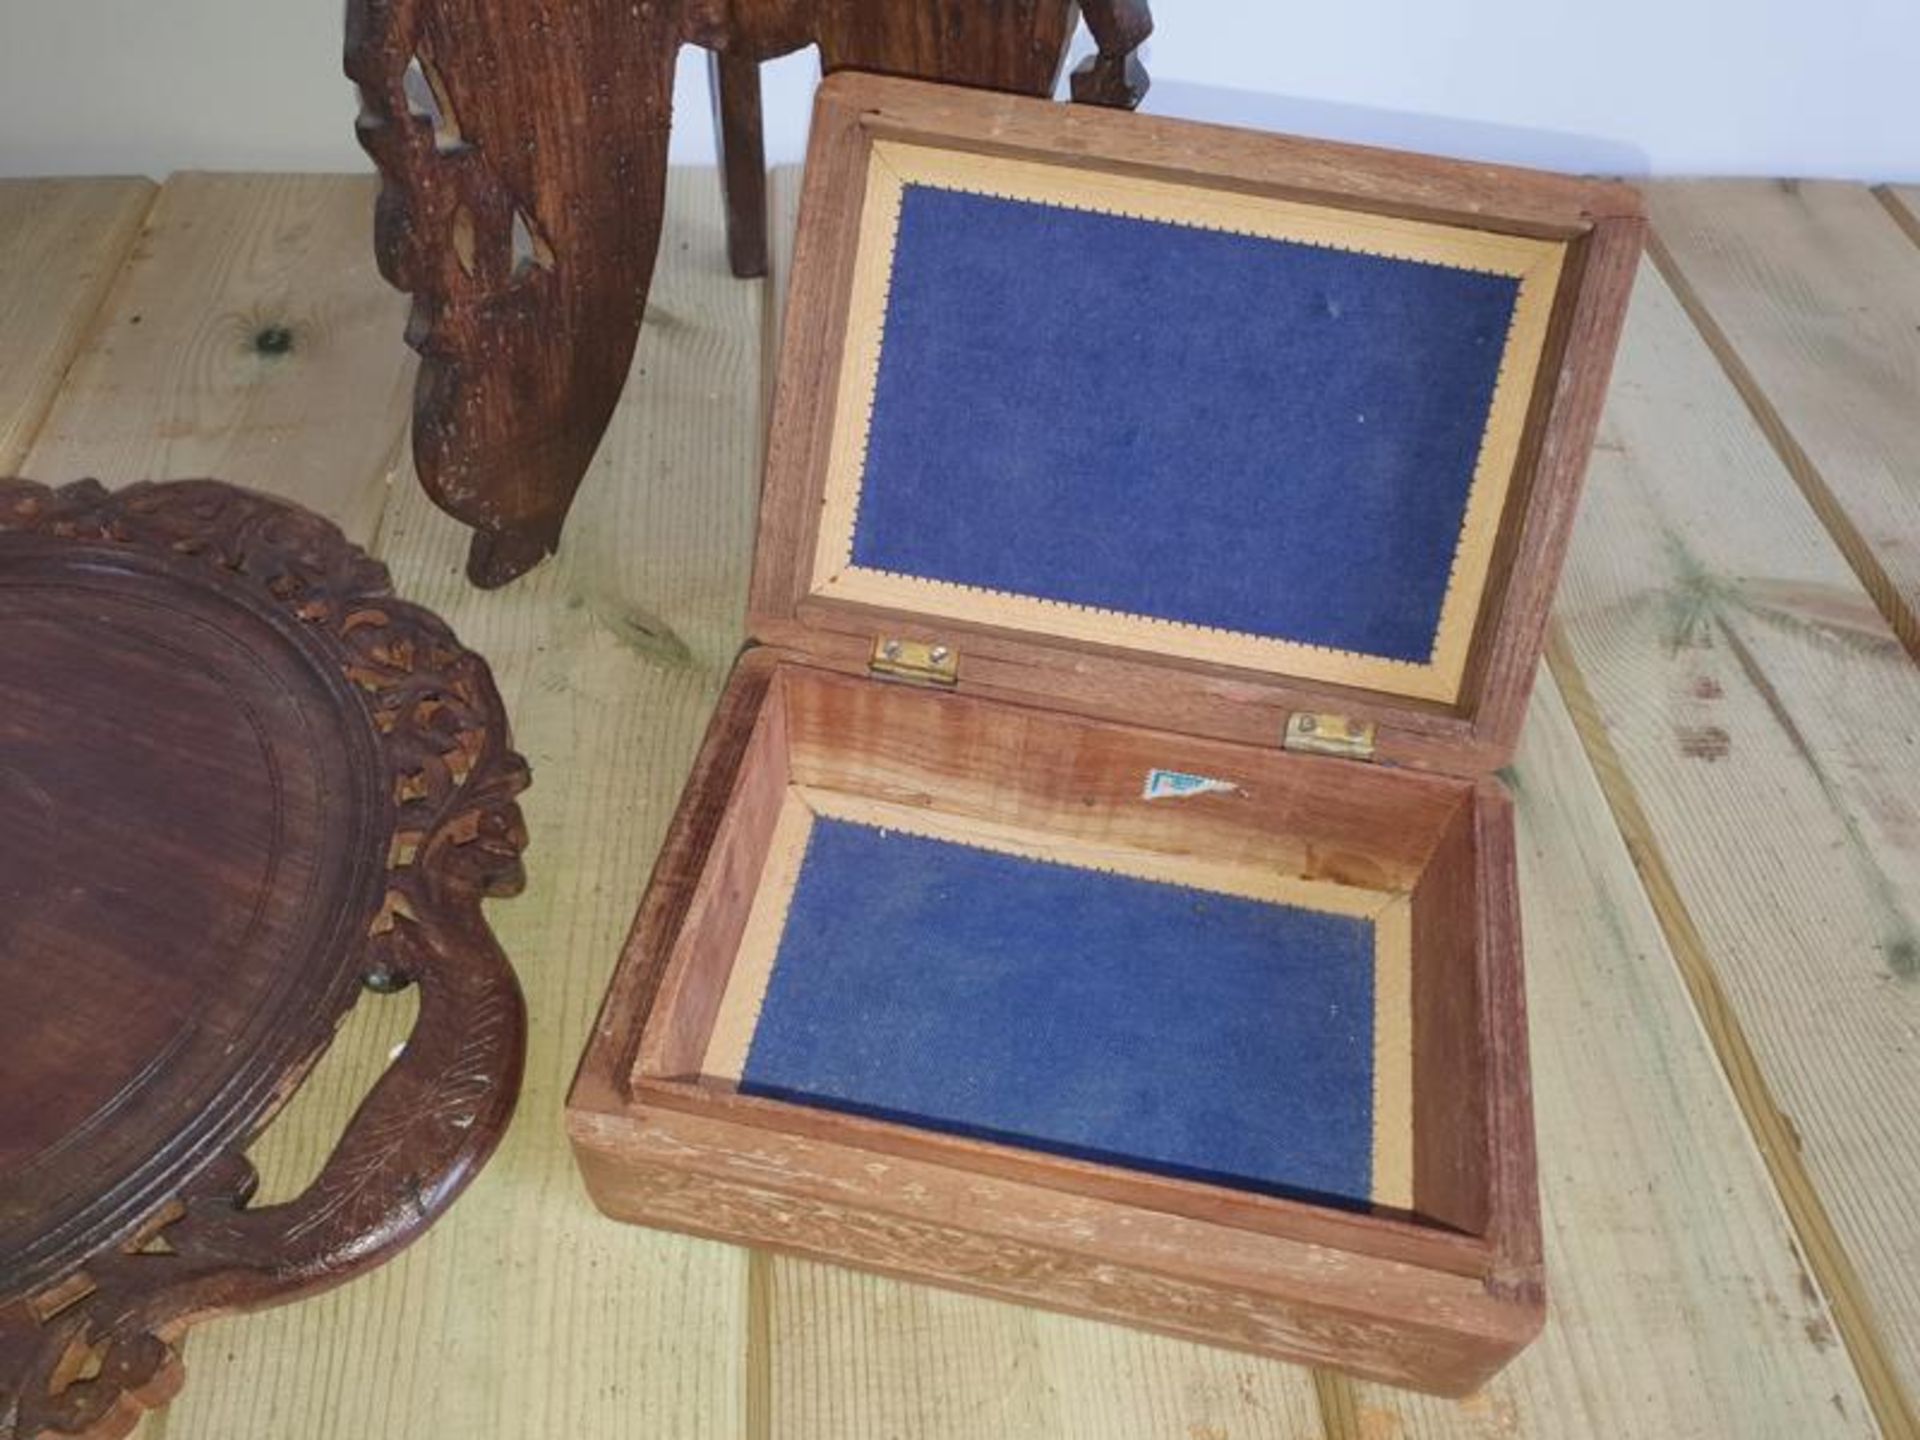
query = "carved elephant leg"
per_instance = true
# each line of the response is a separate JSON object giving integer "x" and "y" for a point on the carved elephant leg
{"x": 524, "y": 147}
{"x": 734, "y": 81}
{"x": 1114, "y": 76}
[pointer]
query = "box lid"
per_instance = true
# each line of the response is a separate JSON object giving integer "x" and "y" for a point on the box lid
{"x": 1195, "y": 427}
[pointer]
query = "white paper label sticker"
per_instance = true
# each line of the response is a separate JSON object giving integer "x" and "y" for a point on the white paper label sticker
{"x": 1172, "y": 784}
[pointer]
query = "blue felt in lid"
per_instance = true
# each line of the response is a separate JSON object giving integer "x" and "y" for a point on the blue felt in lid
{"x": 1237, "y": 428}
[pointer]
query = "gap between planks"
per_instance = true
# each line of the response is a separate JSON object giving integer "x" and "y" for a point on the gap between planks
{"x": 1808, "y": 302}
{"x": 757, "y": 1359}
{"x": 1902, "y": 202}
{"x": 125, "y": 207}
{"x": 1832, "y": 1266}
{"x": 1853, "y": 546}
{"x": 1339, "y": 1407}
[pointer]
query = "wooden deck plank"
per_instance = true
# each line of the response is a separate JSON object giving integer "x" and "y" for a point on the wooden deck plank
{"x": 1811, "y": 296}
{"x": 248, "y": 336}
{"x": 524, "y": 1311}
{"x": 1755, "y": 723}
{"x": 1678, "y": 1305}
{"x": 61, "y": 244}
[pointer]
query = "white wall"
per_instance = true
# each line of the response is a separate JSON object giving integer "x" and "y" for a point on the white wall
{"x": 1783, "y": 87}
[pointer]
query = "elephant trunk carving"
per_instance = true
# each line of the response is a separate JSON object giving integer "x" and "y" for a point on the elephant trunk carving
{"x": 523, "y": 145}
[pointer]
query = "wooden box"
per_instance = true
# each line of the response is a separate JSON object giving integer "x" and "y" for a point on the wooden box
{"x": 1094, "y": 890}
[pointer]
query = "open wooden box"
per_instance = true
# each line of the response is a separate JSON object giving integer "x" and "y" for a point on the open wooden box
{"x": 1093, "y": 890}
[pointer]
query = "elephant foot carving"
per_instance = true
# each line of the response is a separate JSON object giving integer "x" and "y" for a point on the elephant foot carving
{"x": 524, "y": 149}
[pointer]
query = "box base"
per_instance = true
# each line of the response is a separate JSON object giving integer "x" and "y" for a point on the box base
{"x": 1435, "y": 1291}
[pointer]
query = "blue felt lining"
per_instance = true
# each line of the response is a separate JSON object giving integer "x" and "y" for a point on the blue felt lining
{"x": 1255, "y": 435}
{"x": 1073, "y": 1011}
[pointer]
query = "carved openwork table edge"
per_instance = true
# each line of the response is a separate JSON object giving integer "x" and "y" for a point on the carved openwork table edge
{"x": 88, "y": 1330}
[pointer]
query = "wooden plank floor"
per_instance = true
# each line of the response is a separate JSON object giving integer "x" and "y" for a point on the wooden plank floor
{"x": 1719, "y": 807}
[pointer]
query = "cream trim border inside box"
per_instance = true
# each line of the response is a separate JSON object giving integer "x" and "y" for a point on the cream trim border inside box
{"x": 1390, "y": 912}
{"x": 893, "y": 165}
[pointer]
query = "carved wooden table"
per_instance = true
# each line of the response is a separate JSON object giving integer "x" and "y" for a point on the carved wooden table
{"x": 524, "y": 145}
{"x": 239, "y": 781}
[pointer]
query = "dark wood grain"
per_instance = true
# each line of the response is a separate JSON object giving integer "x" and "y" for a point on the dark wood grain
{"x": 734, "y": 81}
{"x": 240, "y": 781}
{"x": 524, "y": 148}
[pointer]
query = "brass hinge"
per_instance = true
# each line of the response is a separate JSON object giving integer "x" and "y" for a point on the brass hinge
{"x": 922, "y": 662}
{"x": 1321, "y": 734}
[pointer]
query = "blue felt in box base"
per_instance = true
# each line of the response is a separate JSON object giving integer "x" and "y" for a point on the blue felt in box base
{"x": 1129, "y": 1021}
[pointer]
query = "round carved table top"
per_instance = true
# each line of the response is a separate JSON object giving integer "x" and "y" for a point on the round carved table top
{"x": 238, "y": 781}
